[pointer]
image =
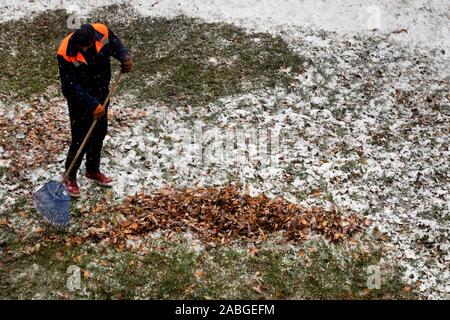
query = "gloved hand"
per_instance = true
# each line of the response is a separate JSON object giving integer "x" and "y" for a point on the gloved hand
{"x": 98, "y": 112}
{"x": 127, "y": 64}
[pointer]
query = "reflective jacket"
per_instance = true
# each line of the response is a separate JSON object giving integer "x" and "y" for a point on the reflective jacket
{"x": 85, "y": 76}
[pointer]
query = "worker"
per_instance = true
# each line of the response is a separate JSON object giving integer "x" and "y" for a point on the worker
{"x": 85, "y": 71}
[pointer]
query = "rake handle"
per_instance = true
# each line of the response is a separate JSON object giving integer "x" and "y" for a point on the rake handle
{"x": 86, "y": 138}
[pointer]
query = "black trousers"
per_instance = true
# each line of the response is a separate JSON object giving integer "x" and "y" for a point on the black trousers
{"x": 80, "y": 122}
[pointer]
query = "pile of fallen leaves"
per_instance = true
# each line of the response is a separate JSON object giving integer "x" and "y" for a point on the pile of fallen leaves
{"x": 219, "y": 215}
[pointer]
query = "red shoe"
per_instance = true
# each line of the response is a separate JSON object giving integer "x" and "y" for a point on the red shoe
{"x": 99, "y": 178}
{"x": 72, "y": 188}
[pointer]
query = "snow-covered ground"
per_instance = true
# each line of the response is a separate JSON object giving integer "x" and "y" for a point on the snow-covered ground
{"x": 425, "y": 23}
{"x": 329, "y": 154}
{"x": 354, "y": 142}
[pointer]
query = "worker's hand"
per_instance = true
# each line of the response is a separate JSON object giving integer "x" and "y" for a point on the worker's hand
{"x": 98, "y": 112}
{"x": 127, "y": 64}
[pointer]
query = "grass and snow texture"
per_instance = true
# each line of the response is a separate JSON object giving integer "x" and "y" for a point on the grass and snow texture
{"x": 361, "y": 122}
{"x": 412, "y": 23}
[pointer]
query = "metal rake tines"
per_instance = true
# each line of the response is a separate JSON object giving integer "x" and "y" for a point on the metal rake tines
{"x": 52, "y": 205}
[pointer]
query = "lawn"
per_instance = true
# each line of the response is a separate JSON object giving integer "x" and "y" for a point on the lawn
{"x": 362, "y": 127}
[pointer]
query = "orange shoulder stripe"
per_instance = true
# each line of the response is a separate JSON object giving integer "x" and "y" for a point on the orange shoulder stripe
{"x": 63, "y": 47}
{"x": 62, "y": 51}
{"x": 100, "y": 27}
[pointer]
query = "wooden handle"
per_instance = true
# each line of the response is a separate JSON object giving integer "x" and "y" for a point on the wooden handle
{"x": 86, "y": 138}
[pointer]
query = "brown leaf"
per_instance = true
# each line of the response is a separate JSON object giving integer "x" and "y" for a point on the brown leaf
{"x": 59, "y": 256}
{"x": 400, "y": 31}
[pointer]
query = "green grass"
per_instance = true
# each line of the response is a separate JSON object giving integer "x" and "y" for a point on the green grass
{"x": 171, "y": 57}
{"x": 37, "y": 275}
{"x": 179, "y": 50}
{"x": 33, "y": 67}
{"x": 175, "y": 271}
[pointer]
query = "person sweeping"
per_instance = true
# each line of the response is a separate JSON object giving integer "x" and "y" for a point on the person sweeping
{"x": 85, "y": 72}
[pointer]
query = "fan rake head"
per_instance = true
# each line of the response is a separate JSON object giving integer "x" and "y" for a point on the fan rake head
{"x": 52, "y": 201}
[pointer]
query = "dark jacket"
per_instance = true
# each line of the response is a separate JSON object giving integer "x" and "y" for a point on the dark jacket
{"x": 85, "y": 76}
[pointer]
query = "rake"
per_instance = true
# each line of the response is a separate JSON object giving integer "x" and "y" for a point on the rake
{"x": 52, "y": 200}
